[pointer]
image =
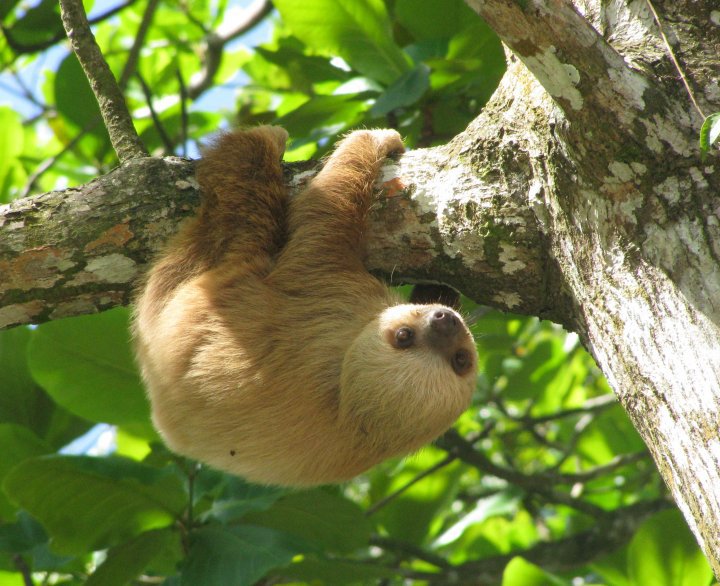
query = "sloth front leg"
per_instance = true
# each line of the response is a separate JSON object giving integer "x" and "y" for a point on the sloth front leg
{"x": 327, "y": 221}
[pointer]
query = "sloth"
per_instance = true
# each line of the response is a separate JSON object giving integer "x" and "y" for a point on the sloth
{"x": 267, "y": 348}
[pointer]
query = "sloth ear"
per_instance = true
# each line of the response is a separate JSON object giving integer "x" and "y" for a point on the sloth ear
{"x": 423, "y": 293}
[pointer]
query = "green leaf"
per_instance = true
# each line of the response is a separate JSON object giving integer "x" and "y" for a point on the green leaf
{"x": 320, "y": 518}
{"x": 434, "y": 19}
{"x": 359, "y": 32}
{"x": 235, "y": 555}
{"x": 17, "y": 443}
{"x": 75, "y": 100}
{"x": 23, "y": 402}
{"x": 11, "y": 146}
{"x": 321, "y": 116}
{"x": 663, "y": 552}
{"x": 520, "y": 572}
{"x": 38, "y": 25}
{"x": 86, "y": 364}
{"x": 709, "y": 132}
{"x": 238, "y": 497}
{"x": 92, "y": 503}
{"x": 21, "y": 536}
{"x": 126, "y": 561}
{"x": 404, "y": 91}
{"x": 419, "y": 512}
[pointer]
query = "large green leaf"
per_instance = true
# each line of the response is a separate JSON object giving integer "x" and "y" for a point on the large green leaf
{"x": 665, "y": 553}
{"x": 92, "y": 503}
{"x": 126, "y": 561}
{"x": 404, "y": 91}
{"x": 434, "y": 19}
{"x": 38, "y": 25}
{"x": 17, "y": 443}
{"x": 327, "y": 521}
{"x": 74, "y": 98}
{"x": 220, "y": 556}
{"x": 359, "y": 32}
{"x": 321, "y": 116}
{"x": 86, "y": 365}
{"x": 237, "y": 497}
{"x": 23, "y": 402}
{"x": 418, "y": 514}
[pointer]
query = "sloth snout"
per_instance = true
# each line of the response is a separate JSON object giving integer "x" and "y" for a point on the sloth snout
{"x": 444, "y": 322}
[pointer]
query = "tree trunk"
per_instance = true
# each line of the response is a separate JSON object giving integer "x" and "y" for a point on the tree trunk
{"x": 578, "y": 195}
{"x": 593, "y": 127}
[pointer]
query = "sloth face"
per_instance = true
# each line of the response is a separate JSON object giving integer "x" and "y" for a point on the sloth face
{"x": 408, "y": 375}
{"x": 433, "y": 328}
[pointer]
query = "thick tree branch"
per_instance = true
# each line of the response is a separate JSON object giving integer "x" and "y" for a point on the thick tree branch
{"x": 81, "y": 250}
{"x": 117, "y": 119}
{"x": 592, "y": 83}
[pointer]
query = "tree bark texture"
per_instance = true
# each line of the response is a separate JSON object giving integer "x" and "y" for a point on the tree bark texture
{"x": 578, "y": 195}
{"x": 628, "y": 210}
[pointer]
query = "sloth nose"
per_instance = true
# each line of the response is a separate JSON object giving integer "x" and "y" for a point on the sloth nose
{"x": 444, "y": 322}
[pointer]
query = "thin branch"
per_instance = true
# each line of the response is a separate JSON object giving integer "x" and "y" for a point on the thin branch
{"x": 215, "y": 44}
{"x": 24, "y": 570}
{"x": 449, "y": 459}
{"x": 134, "y": 54}
{"x": 21, "y": 49}
{"x": 611, "y": 532}
{"x": 48, "y": 163}
{"x": 676, "y": 63}
{"x": 375, "y": 507}
{"x": 458, "y": 446}
{"x": 167, "y": 142}
{"x": 598, "y": 403}
{"x": 115, "y": 114}
{"x": 409, "y": 550}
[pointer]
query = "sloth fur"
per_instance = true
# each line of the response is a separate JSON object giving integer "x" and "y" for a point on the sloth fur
{"x": 267, "y": 348}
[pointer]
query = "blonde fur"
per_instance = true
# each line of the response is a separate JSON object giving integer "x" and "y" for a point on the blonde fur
{"x": 267, "y": 348}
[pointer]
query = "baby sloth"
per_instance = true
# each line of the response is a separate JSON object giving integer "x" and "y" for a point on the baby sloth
{"x": 267, "y": 348}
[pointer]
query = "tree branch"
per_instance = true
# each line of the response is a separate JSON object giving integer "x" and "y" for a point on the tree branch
{"x": 117, "y": 119}
{"x": 215, "y": 44}
{"x": 613, "y": 531}
{"x": 81, "y": 250}
{"x": 583, "y": 73}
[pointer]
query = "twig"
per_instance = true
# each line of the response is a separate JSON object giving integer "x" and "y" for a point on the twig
{"x": 49, "y": 162}
{"x": 673, "y": 58}
{"x": 115, "y": 114}
{"x": 375, "y": 507}
{"x": 153, "y": 114}
{"x": 134, "y": 54}
{"x": 409, "y": 549}
{"x": 451, "y": 457}
{"x": 24, "y": 570}
{"x": 183, "y": 112}
{"x": 20, "y": 49}
{"x": 456, "y": 445}
{"x": 215, "y": 43}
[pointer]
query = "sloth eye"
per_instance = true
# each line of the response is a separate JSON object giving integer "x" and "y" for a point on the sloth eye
{"x": 404, "y": 337}
{"x": 461, "y": 361}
